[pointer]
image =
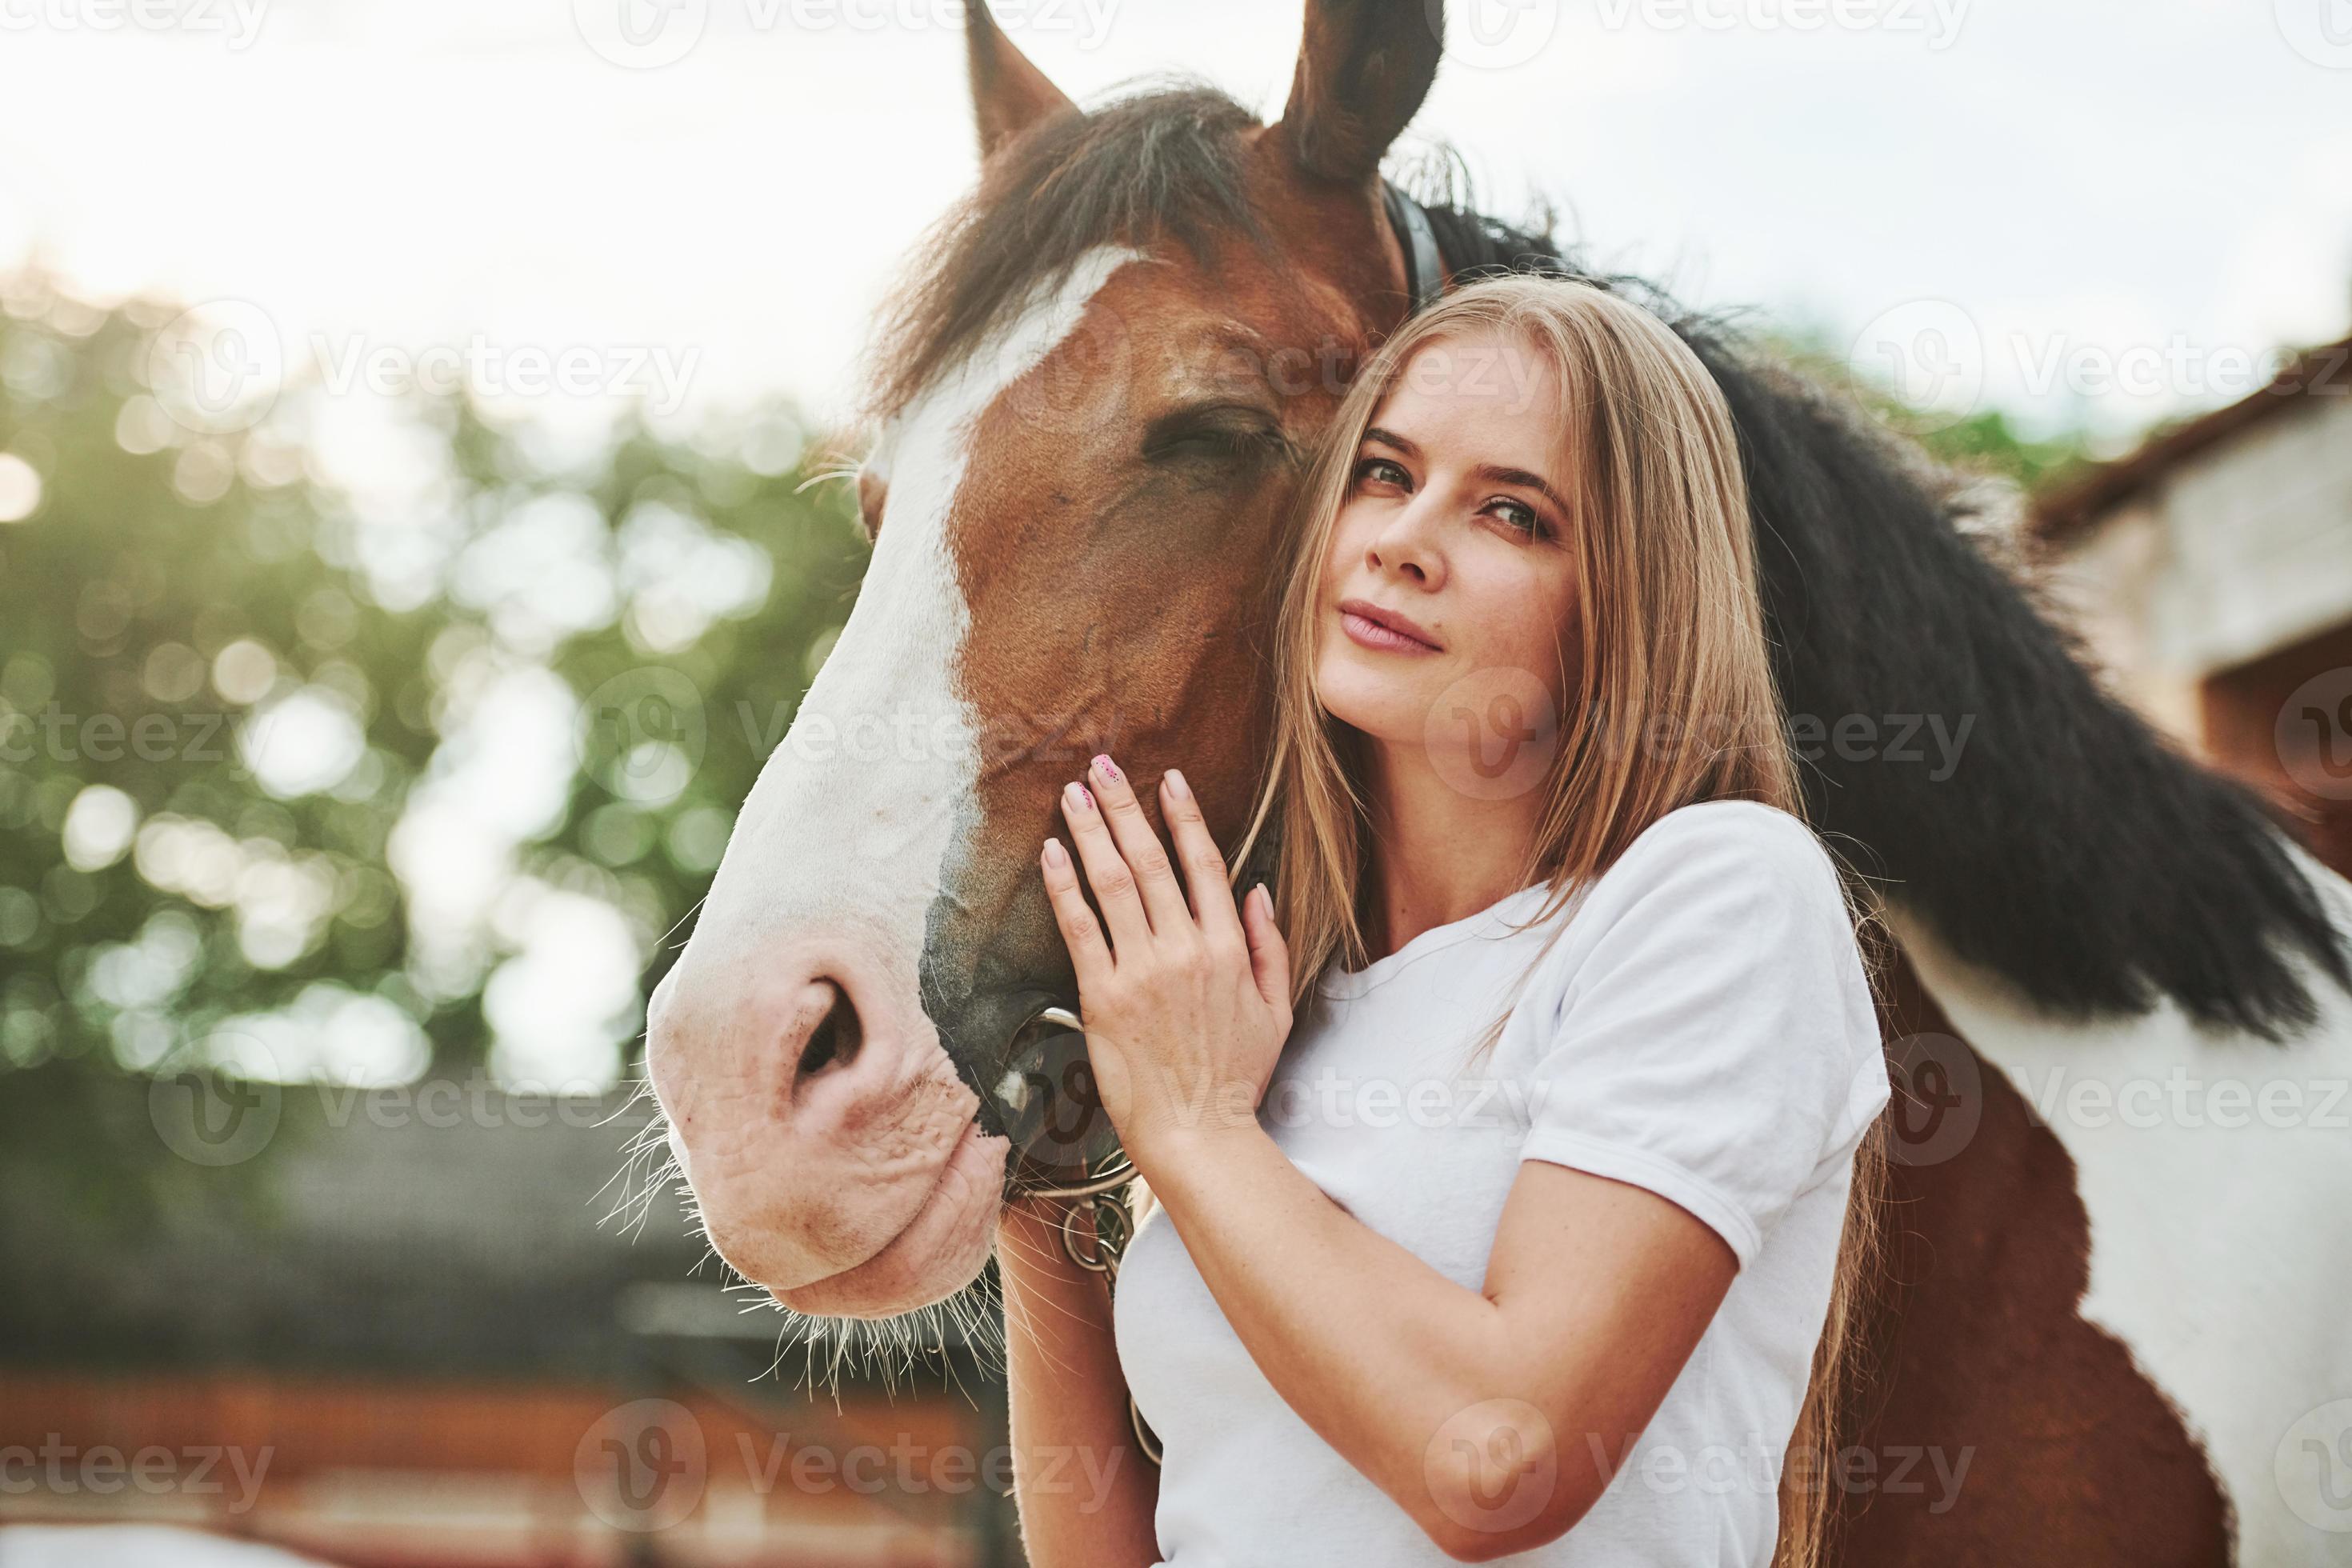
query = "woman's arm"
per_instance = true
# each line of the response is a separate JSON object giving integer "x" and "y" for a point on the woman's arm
{"x": 1495, "y": 1419}
{"x": 1086, "y": 1492}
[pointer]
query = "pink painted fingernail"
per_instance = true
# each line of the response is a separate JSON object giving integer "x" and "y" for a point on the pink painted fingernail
{"x": 1177, "y": 786}
{"x": 1079, "y": 797}
{"x": 1055, "y": 856}
{"x": 1109, "y": 769}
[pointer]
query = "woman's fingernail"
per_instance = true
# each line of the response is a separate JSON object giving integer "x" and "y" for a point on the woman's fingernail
{"x": 1109, "y": 769}
{"x": 1055, "y": 856}
{"x": 1079, "y": 797}
{"x": 1177, "y": 786}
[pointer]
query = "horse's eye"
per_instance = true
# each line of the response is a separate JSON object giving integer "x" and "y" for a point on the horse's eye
{"x": 1225, "y": 434}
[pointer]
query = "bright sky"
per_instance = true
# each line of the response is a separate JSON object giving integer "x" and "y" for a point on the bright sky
{"x": 2044, "y": 197}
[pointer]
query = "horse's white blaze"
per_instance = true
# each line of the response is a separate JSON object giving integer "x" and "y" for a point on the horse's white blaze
{"x": 853, "y": 817}
{"x": 2217, "y": 1172}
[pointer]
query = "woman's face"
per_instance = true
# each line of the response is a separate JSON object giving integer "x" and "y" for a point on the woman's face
{"x": 1454, "y": 532}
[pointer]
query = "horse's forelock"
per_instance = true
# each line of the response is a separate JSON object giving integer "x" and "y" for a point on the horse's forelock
{"x": 1163, "y": 164}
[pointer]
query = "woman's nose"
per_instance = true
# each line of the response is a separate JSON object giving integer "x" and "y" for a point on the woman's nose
{"x": 1407, "y": 545}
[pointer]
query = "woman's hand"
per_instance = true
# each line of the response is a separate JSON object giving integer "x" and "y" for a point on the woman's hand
{"x": 1186, "y": 1007}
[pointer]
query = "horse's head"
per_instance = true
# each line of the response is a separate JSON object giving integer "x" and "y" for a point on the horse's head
{"x": 1092, "y": 415}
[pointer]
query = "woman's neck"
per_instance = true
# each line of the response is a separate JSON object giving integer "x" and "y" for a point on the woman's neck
{"x": 1439, "y": 854}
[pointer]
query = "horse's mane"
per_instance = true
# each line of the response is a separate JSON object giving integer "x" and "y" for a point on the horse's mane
{"x": 2070, "y": 849}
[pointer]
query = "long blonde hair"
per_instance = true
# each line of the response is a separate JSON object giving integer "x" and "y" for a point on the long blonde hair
{"x": 1668, "y": 697}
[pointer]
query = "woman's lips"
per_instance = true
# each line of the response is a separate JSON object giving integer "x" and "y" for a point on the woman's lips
{"x": 1370, "y": 626}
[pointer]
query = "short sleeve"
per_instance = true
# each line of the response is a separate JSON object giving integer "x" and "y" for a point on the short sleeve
{"x": 1715, "y": 1041}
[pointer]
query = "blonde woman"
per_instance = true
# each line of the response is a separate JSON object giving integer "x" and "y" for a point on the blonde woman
{"x": 1512, "y": 1159}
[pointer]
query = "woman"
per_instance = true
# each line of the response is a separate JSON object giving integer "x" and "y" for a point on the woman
{"x": 1537, "y": 819}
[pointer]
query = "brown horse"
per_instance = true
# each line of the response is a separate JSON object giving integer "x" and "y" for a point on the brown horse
{"x": 1090, "y": 420}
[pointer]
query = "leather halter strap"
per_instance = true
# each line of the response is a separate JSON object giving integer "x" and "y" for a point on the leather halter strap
{"x": 1424, "y": 271}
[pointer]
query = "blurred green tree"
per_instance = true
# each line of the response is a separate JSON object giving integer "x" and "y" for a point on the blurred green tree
{"x": 228, "y": 684}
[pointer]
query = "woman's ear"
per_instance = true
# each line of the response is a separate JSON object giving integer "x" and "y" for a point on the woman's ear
{"x": 1008, "y": 94}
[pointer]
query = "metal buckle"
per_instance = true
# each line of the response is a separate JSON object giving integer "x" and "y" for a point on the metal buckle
{"x": 1104, "y": 1181}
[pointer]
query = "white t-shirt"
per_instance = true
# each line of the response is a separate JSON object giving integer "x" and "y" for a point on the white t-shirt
{"x": 1702, "y": 1028}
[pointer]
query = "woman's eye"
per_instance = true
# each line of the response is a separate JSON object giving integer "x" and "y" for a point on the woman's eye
{"x": 1517, "y": 514}
{"x": 1382, "y": 471}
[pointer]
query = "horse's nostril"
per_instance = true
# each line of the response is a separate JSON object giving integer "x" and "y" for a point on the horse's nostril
{"x": 836, "y": 1037}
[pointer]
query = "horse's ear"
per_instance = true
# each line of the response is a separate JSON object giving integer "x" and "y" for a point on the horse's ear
{"x": 1364, "y": 66}
{"x": 1008, "y": 94}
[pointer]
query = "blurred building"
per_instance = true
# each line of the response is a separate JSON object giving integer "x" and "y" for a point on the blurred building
{"x": 403, "y": 1331}
{"x": 2210, "y": 574}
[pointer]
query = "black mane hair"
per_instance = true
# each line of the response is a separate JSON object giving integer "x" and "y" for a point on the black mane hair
{"x": 2071, "y": 849}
